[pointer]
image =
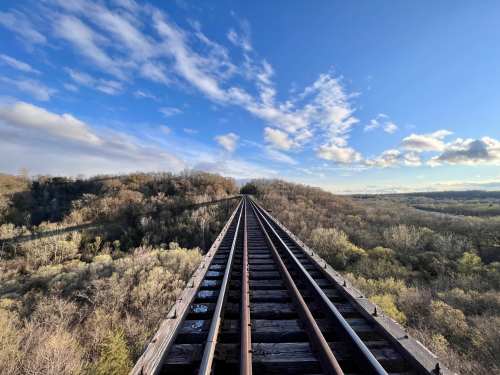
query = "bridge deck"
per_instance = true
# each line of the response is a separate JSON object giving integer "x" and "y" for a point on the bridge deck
{"x": 264, "y": 302}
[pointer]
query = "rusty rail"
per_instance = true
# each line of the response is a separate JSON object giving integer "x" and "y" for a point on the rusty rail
{"x": 327, "y": 358}
{"x": 365, "y": 355}
{"x": 246, "y": 333}
{"x": 151, "y": 360}
{"x": 208, "y": 353}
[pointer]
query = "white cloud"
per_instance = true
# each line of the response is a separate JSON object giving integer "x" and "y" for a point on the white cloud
{"x": 35, "y": 88}
{"x": 240, "y": 40}
{"x": 412, "y": 159}
{"x": 62, "y": 144}
{"x": 381, "y": 121}
{"x": 81, "y": 77}
{"x": 86, "y": 42}
{"x": 116, "y": 42}
{"x": 227, "y": 141}
{"x": 140, "y": 40}
{"x": 19, "y": 65}
{"x": 388, "y": 158}
{"x": 169, "y": 111}
{"x": 425, "y": 142}
{"x": 341, "y": 155}
{"x": 123, "y": 30}
{"x": 129, "y": 5}
{"x": 70, "y": 87}
{"x": 188, "y": 64}
{"x": 278, "y": 156}
{"x": 190, "y": 131}
{"x": 235, "y": 168}
{"x": 469, "y": 152}
{"x": 390, "y": 127}
{"x": 278, "y": 138}
{"x": 28, "y": 116}
{"x": 374, "y": 124}
{"x": 145, "y": 94}
{"x": 155, "y": 72}
{"x": 109, "y": 87}
{"x": 165, "y": 129}
{"x": 18, "y": 23}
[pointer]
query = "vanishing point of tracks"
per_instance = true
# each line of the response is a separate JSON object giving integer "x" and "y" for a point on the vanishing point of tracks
{"x": 264, "y": 306}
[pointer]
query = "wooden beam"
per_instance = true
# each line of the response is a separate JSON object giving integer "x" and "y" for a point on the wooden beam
{"x": 151, "y": 360}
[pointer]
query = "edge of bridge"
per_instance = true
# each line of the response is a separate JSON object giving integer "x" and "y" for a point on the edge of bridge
{"x": 151, "y": 360}
{"x": 411, "y": 348}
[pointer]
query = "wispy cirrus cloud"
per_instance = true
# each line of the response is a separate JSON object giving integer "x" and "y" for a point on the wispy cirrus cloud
{"x": 117, "y": 44}
{"x": 278, "y": 139}
{"x": 17, "y": 64}
{"x": 30, "y": 86}
{"x": 279, "y": 156}
{"x": 170, "y": 111}
{"x": 145, "y": 94}
{"x": 87, "y": 42}
{"x": 124, "y": 41}
{"x": 227, "y": 141}
{"x": 107, "y": 86}
{"x": 17, "y": 22}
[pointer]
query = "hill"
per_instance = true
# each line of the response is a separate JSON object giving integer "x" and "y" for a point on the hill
{"x": 93, "y": 265}
{"x": 438, "y": 274}
{"x": 76, "y": 301}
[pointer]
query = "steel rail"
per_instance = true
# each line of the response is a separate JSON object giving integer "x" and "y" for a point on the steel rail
{"x": 213, "y": 333}
{"x": 327, "y": 359}
{"x": 246, "y": 331}
{"x": 370, "y": 361}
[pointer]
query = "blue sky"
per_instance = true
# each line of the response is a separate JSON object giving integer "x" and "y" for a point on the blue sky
{"x": 350, "y": 96}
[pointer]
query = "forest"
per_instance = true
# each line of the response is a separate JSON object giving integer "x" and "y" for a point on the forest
{"x": 89, "y": 267}
{"x": 436, "y": 273}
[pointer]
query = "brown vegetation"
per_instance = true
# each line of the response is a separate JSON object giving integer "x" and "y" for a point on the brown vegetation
{"x": 437, "y": 274}
{"x": 87, "y": 302}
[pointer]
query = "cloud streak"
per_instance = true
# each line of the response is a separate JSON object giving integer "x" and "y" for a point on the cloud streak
{"x": 228, "y": 141}
{"x": 17, "y": 64}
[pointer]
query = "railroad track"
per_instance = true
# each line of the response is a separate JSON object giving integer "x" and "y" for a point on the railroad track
{"x": 264, "y": 305}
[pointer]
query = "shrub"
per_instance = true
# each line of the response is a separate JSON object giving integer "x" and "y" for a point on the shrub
{"x": 402, "y": 237}
{"x": 334, "y": 246}
{"x": 448, "y": 320}
{"x": 51, "y": 352}
{"x": 10, "y": 354}
{"x": 469, "y": 263}
{"x": 115, "y": 356}
{"x": 386, "y": 303}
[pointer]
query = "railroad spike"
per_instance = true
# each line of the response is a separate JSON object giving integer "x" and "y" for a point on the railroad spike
{"x": 344, "y": 284}
{"x": 375, "y": 312}
{"x": 437, "y": 369}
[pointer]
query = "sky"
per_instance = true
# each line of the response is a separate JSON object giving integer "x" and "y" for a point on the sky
{"x": 375, "y": 96}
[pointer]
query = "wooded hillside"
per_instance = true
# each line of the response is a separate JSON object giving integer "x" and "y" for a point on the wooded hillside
{"x": 86, "y": 301}
{"x": 438, "y": 274}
